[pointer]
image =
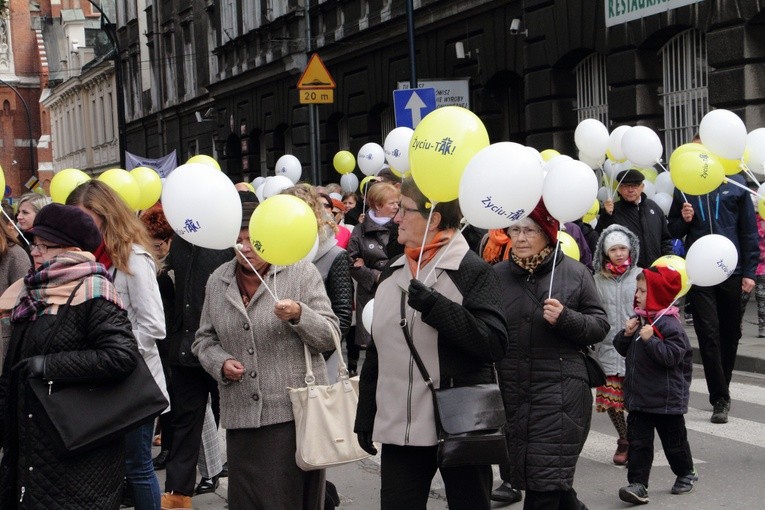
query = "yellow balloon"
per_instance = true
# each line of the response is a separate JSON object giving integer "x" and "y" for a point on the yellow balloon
{"x": 678, "y": 264}
{"x": 731, "y": 166}
{"x": 205, "y": 160}
{"x": 124, "y": 184}
{"x": 150, "y": 185}
{"x": 568, "y": 245}
{"x": 649, "y": 173}
{"x": 696, "y": 172}
{"x": 2, "y": 179}
{"x": 592, "y": 213}
{"x": 442, "y": 145}
{"x": 283, "y": 229}
{"x": 548, "y": 154}
{"x": 612, "y": 158}
{"x": 365, "y": 181}
{"x": 344, "y": 162}
{"x": 64, "y": 182}
{"x": 761, "y": 208}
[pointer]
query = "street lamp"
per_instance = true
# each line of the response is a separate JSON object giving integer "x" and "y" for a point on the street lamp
{"x": 29, "y": 125}
{"x": 111, "y": 33}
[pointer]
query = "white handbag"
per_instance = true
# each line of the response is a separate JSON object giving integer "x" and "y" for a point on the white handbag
{"x": 324, "y": 417}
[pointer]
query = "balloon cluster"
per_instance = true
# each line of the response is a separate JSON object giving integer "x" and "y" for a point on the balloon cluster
{"x": 140, "y": 188}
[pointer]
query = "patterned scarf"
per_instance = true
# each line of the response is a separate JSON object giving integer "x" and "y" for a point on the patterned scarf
{"x": 439, "y": 240}
{"x": 531, "y": 263}
{"x": 44, "y": 290}
{"x": 620, "y": 269}
{"x": 497, "y": 242}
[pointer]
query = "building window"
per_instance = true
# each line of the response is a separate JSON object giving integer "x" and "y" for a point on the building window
{"x": 168, "y": 63}
{"x": 343, "y": 138}
{"x": 250, "y": 15}
{"x": 228, "y": 20}
{"x": 135, "y": 77}
{"x": 592, "y": 89}
{"x": 189, "y": 61}
{"x": 273, "y": 9}
{"x": 684, "y": 93}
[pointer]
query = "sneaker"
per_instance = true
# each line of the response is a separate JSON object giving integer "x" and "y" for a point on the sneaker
{"x": 506, "y": 494}
{"x": 172, "y": 501}
{"x": 720, "y": 411}
{"x": 684, "y": 484}
{"x": 634, "y": 493}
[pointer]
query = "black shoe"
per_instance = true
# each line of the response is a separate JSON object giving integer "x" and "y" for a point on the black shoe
{"x": 720, "y": 412}
{"x": 506, "y": 494}
{"x": 160, "y": 461}
{"x": 684, "y": 484}
{"x": 224, "y": 471}
{"x": 207, "y": 485}
{"x": 634, "y": 493}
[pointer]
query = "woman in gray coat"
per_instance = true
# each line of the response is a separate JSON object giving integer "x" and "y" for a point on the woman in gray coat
{"x": 544, "y": 377}
{"x": 253, "y": 347}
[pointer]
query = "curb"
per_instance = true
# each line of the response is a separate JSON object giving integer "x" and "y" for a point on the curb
{"x": 743, "y": 363}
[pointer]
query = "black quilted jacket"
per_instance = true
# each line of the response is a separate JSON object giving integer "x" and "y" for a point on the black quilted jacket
{"x": 95, "y": 342}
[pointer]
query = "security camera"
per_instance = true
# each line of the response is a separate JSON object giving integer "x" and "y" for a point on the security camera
{"x": 515, "y": 26}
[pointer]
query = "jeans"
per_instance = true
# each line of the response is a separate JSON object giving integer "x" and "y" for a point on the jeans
{"x": 141, "y": 481}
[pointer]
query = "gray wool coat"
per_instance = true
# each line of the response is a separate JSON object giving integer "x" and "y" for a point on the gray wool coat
{"x": 270, "y": 349}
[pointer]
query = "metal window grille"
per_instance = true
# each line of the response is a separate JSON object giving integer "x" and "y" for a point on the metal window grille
{"x": 343, "y": 137}
{"x": 684, "y": 95}
{"x": 387, "y": 123}
{"x": 592, "y": 89}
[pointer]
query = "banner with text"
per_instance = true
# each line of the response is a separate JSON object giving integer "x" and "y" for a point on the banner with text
{"x": 622, "y": 11}
{"x": 455, "y": 92}
{"x": 163, "y": 166}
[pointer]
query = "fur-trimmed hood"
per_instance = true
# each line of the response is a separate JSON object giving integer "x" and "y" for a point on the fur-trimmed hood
{"x": 598, "y": 257}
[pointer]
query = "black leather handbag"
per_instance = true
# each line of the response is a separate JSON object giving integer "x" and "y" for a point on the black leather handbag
{"x": 470, "y": 420}
{"x": 595, "y": 372}
{"x": 83, "y": 416}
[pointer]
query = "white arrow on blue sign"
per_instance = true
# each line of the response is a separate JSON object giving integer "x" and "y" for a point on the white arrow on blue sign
{"x": 412, "y": 105}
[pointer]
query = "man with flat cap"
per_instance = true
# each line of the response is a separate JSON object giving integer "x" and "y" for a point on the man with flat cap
{"x": 640, "y": 214}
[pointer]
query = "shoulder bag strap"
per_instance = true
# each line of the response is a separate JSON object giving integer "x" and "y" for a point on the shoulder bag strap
{"x": 59, "y": 317}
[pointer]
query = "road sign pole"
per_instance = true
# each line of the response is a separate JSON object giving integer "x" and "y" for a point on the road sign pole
{"x": 412, "y": 51}
{"x": 312, "y": 132}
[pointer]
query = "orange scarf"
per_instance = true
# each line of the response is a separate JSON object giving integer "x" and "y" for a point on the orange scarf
{"x": 497, "y": 241}
{"x": 440, "y": 240}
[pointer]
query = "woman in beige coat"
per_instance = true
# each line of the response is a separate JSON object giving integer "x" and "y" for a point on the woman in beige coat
{"x": 253, "y": 346}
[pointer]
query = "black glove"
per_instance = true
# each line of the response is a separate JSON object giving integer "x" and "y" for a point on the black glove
{"x": 31, "y": 368}
{"x": 365, "y": 441}
{"x": 421, "y": 298}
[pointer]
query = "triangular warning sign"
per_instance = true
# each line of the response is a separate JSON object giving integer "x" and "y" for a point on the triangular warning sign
{"x": 316, "y": 75}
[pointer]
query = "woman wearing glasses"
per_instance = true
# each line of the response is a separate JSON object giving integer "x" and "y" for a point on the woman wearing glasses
{"x": 543, "y": 377}
{"x": 452, "y": 306}
{"x": 126, "y": 253}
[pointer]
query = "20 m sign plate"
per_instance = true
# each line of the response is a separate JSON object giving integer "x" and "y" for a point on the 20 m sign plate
{"x": 312, "y": 96}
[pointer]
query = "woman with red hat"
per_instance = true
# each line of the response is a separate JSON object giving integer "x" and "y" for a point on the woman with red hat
{"x": 544, "y": 379}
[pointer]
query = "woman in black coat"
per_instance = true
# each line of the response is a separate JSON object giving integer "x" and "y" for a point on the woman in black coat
{"x": 95, "y": 343}
{"x": 544, "y": 381}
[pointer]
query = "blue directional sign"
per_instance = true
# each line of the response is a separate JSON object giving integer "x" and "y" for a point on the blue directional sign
{"x": 412, "y": 105}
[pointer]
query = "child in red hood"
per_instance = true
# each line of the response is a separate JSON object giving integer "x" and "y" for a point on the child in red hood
{"x": 657, "y": 383}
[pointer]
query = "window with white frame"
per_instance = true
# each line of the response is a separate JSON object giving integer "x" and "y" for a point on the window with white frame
{"x": 250, "y": 15}
{"x": 228, "y": 20}
{"x": 592, "y": 89}
{"x": 684, "y": 93}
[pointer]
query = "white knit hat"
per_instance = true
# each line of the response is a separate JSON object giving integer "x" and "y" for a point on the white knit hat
{"x": 615, "y": 238}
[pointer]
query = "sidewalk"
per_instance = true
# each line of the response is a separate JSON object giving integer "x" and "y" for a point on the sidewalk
{"x": 751, "y": 350}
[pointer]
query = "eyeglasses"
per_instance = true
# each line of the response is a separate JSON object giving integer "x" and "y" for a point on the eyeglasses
{"x": 43, "y": 248}
{"x": 327, "y": 206}
{"x": 528, "y": 232}
{"x": 630, "y": 185}
{"x": 403, "y": 210}
{"x": 158, "y": 246}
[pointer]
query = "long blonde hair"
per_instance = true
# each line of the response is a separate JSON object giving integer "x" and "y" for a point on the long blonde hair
{"x": 120, "y": 228}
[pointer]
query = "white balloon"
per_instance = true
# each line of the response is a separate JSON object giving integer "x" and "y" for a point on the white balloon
{"x": 664, "y": 201}
{"x": 290, "y": 167}
{"x": 591, "y": 138}
{"x": 555, "y": 161}
{"x": 371, "y": 158}
{"x": 642, "y": 146}
{"x": 366, "y": 315}
{"x": 500, "y": 186}
{"x": 594, "y": 163}
{"x": 615, "y": 143}
{"x": 711, "y": 260}
{"x": 258, "y": 181}
{"x": 349, "y": 183}
{"x": 649, "y": 188}
{"x": 259, "y": 191}
{"x": 275, "y": 185}
{"x": 203, "y": 206}
{"x": 664, "y": 184}
{"x": 755, "y": 144}
{"x": 396, "y": 148}
{"x": 604, "y": 193}
{"x": 723, "y": 133}
{"x": 569, "y": 190}
{"x": 610, "y": 169}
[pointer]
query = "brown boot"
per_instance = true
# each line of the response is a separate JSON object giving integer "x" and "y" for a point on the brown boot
{"x": 171, "y": 501}
{"x": 622, "y": 451}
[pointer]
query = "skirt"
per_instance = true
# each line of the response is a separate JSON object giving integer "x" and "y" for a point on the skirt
{"x": 610, "y": 395}
{"x": 263, "y": 473}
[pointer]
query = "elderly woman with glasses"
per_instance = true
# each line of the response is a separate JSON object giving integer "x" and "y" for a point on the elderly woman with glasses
{"x": 544, "y": 380}
{"x": 450, "y": 300}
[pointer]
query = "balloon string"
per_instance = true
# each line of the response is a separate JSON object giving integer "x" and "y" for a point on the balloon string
{"x": 738, "y": 184}
{"x": 685, "y": 199}
{"x": 443, "y": 253}
{"x": 424, "y": 237}
{"x": 613, "y": 191}
{"x": 748, "y": 171}
{"x": 555, "y": 256}
{"x": 239, "y": 251}
{"x": 21, "y": 234}
{"x": 663, "y": 312}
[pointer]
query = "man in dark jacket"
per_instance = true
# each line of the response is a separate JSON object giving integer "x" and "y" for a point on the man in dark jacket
{"x": 717, "y": 310}
{"x": 639, "y": 214}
